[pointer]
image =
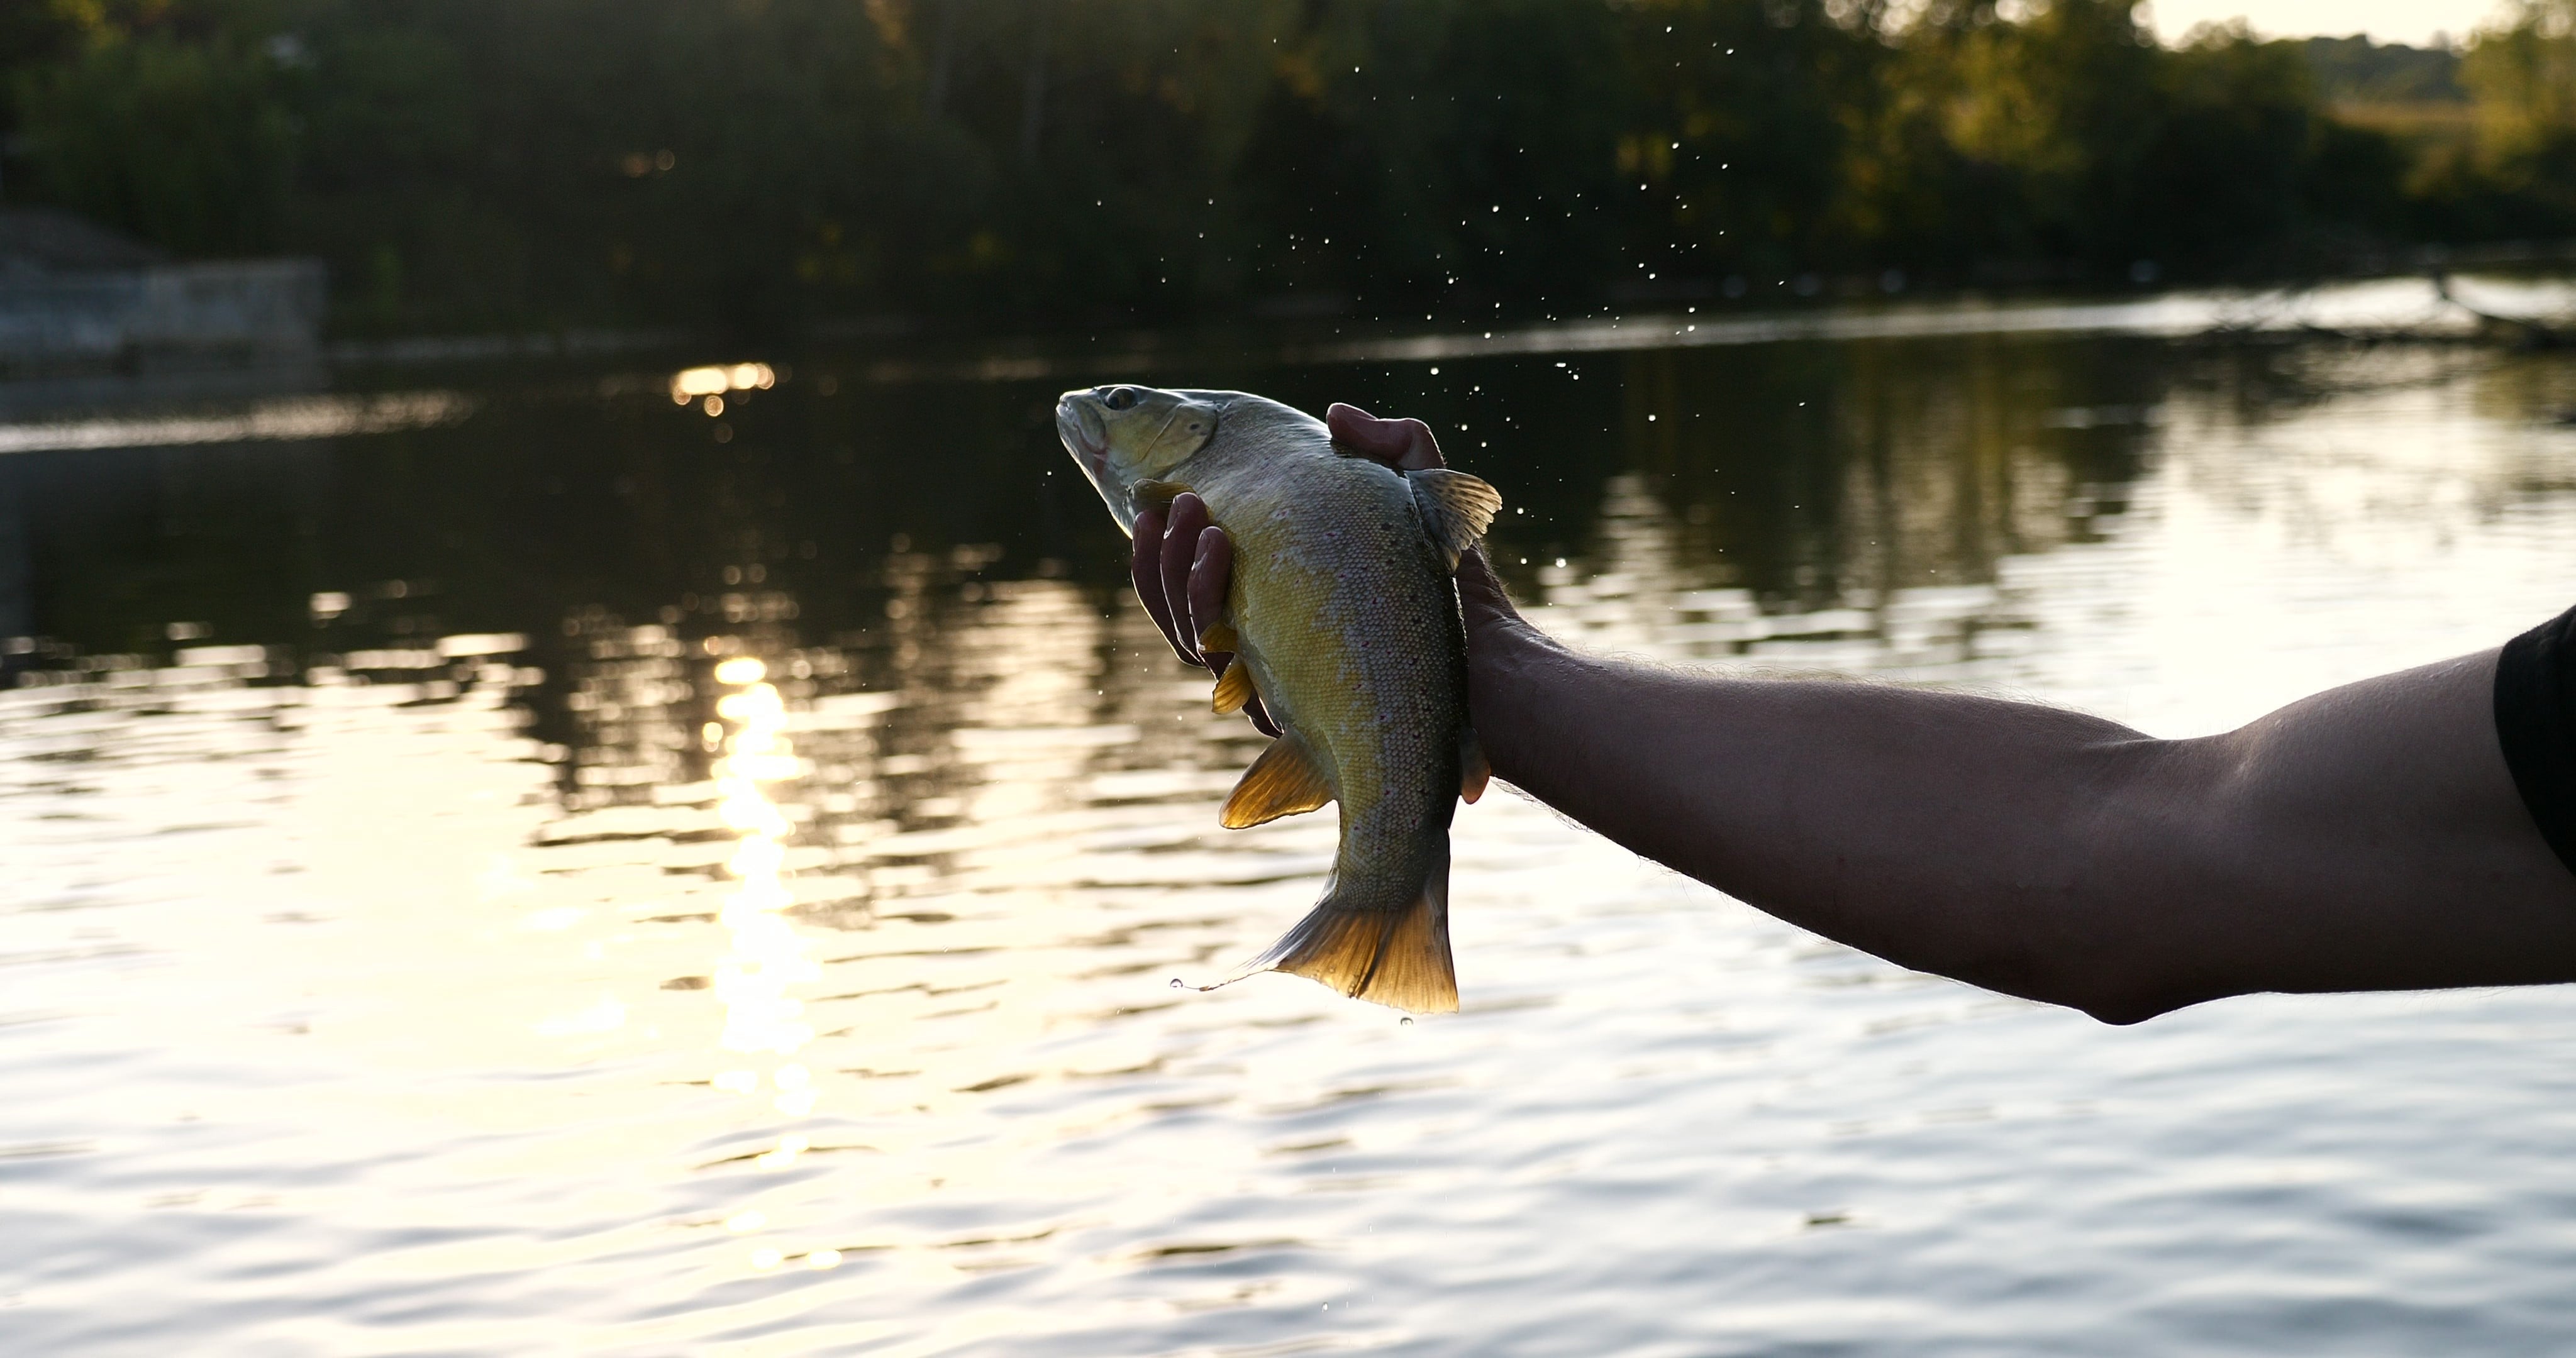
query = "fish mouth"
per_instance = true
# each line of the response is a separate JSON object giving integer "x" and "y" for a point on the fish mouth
{"x": 1078, "y": 425}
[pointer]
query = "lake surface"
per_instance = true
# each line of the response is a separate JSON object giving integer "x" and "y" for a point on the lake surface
{"x": 507, "y": 862}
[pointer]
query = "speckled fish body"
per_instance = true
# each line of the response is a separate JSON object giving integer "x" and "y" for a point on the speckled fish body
{"x": 1344, "y": 619}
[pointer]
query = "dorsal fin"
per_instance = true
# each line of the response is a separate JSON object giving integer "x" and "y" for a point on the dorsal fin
{"x": 1284, "y": 781}
{"x": 1233, "y": 689}
{"x": 1456, "y": 508}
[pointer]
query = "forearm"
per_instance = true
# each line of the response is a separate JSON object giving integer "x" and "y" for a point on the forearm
{"x": 1943, "y": 832}
{"x": 2334, "y": 845}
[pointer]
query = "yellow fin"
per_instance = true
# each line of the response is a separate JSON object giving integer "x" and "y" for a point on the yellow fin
{"x": 1233, "y": 689}
{"x": 1219, "y": 637}
{"x": 1456, "y": 508}
{"x": 1398, "y": 958}
{"x": 1473, "y": 771}
{"x": 1284, "y": 781}
{"x": 1157, "y": 494}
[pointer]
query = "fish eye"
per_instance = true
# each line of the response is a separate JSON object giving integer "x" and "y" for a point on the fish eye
{"x": 1120, "y": 398}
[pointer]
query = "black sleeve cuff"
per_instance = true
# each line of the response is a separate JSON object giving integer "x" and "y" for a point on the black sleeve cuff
{"x": 2535, "y": 716}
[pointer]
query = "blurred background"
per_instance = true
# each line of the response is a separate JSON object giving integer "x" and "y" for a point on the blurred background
{"x": 813, "y": 166}
{"x": 580, "y": 773}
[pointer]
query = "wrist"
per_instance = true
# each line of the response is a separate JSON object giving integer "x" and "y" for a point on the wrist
{"x": 1512, "y": 672}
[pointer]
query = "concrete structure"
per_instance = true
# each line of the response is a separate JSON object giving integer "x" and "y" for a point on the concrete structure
{"x": 75, "y": 299}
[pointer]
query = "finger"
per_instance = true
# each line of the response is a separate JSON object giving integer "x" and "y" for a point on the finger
{"x": 1210, "y": 569}
{"x": 1145, "y": 567}
{"x": 1407, "y": 445}
{"x": 1180, "y": 546}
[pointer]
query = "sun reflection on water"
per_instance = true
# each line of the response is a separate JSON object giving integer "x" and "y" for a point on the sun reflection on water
{"x": 766, "y": 958}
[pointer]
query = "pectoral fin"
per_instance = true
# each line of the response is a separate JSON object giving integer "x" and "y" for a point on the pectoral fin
{"x": 1473, "y": 771}
{"x": 1284, "y": 781}
{"x": 1233, "y": 689}
{"x": 1456, "y": 508}
{"x": 1219, "y": 637}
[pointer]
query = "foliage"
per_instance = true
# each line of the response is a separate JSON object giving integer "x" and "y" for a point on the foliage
{"x": 2523, "y": 76}
{"x": 186, "y": 144}
{"x": 773, "y": 163}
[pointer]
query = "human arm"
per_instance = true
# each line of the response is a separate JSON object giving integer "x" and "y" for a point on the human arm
{"x": 2369, "y": 837}
{"x": 2366, "y": 838}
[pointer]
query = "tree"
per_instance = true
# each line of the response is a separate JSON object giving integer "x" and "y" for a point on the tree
{"x": 184, "y": 144}
{"x": 2522, "y": 77}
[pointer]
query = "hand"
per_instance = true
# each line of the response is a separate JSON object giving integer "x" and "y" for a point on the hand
{"x": 1181, "y": 565}
{"x": 1182, "y": 562}
{"x": 1408, "y": 446}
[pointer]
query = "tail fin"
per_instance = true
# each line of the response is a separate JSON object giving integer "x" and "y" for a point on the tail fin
{"x": 1398, "y": 958}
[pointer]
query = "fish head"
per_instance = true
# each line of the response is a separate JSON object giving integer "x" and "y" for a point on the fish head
{"x": 1124, "y": 436}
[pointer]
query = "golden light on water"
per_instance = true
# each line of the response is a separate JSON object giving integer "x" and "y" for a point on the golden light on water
{"x": 715, "y": 379}
{"x": 765, "y": 957}
{"x": 804, "y": 986}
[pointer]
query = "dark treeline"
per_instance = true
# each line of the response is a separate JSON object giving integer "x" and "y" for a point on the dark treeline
{"x": 469, "y": 164}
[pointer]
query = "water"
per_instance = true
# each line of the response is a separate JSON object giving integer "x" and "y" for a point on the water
{"x": 558, "y": 871}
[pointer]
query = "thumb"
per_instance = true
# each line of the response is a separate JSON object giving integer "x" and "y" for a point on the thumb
{"x": 1406, "y": 445}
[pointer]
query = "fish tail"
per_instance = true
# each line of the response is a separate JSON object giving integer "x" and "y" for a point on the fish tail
{"x": 1398, "y": 958}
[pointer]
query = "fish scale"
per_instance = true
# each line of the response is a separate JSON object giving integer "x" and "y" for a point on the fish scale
{"x": 1367, "y": 672}
{"x": 1344, "y": 619}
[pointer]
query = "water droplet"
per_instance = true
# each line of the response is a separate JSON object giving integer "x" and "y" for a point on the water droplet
{"x": 1404, "y": 1023}
{"x": 1177, "y": 985}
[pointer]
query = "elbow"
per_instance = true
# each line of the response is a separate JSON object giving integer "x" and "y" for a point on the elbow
{"x": 2114, "y": 984}
{"x": 2104, "y": 999}
{"x": 2122, "y": 1010}
{"x": 2098, "y": 988}
{"x": 2126, "y": 996}
{"x": 2129, "y": 939}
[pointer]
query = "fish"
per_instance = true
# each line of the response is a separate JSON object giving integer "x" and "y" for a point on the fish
{"x": 1342, "y": 615}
